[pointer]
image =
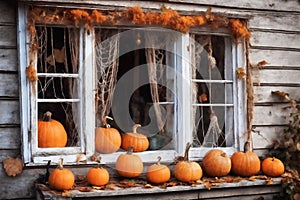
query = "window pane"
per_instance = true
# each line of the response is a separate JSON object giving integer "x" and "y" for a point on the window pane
{"x": 58, "y": 85}
{"x": 213, "y": 105}
{"x": 127, "y": 73}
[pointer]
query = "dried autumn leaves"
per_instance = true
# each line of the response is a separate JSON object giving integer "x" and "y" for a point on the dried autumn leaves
{"x": 13, "y": 166}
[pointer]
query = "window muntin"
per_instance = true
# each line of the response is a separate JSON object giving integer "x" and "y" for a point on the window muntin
{"x": 182, "y": 120}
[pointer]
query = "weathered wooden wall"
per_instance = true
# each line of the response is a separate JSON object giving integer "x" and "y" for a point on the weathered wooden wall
{"x": 275, "y": 38}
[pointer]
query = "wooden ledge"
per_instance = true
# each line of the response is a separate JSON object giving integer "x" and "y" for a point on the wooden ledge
{"x": 244, "y": 188}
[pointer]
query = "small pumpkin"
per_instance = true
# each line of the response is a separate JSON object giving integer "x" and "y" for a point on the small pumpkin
{"x": 245, "y": 163}
{"x": 61, "y": 178}
{"x": 97, "y": 176}
{"x": 216, "y": 163}
{"x": 138, "y": 141}
{"x": 186, "y": 170}
{"x": 51, "y": 133}
{"x": 107, "y": 139}
{"x": 272, "y": 167}
{"x": 129, "y": 165}
{"x": 158, "y": 173}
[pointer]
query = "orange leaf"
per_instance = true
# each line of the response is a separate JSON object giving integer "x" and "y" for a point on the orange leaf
{"x": 110, "y": 186}
{"x": 207, "y": 185}
{"x": 261, "y": 64}
{"x": 241, "y": 73}
{"x": 13, "y": 166}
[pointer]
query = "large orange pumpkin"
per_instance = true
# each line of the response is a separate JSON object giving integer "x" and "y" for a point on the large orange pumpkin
{"x": 158, "y": 173}
{"x": 51, "y": 133}
{"x": 186, "y": 170}
{"x": 107, "y": 139}
{"x": 216, "y": 163}
{"x": 97, "y": 176}
{"x": 245, "y": 163}
{"x": 272, "y": 167}
{"x": 129, "y": 165}
{"x": 61, "y": 178}
{"x": 138, "y": 141}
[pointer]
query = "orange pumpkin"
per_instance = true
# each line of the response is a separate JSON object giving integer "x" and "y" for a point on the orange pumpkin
{"x": 272, "y": 167}
{"x": 186, "y": 170}
{"x": 51, "y": 133}
{"x": 129, "y": 165}
{"x": 61, "y": 178}
{"x": 245, "y": 163}
{"x": 97, "y": 176}
{"x": 107, "y": 139}
{"x": 158, "y": 173}
{"x": 138, "y": 141}
{"x": 216, "y": 163}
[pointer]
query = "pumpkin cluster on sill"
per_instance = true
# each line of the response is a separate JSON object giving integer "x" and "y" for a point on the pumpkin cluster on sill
{"x": 216, "y": 168}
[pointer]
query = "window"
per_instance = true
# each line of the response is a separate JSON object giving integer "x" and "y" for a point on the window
{"x": 180, "y": 87}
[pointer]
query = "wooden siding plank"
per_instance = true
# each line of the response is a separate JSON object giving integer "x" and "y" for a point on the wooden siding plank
{"x": 244, "y": 4}
{"x": 21, "y": 186}
{"x": 9, "y": 60}
{"x": 263, "y": 94}
{"x": 275, "y": 76}
{"x": 263, "y": 136}
{"x": 276, "y": 21}
{"x": 8, "y": 36}
{"x": 10, "y": 138}
{"x": 7, "y": 10}
{"x": 11, "y": 110}
{"x": 9, "y": 85}
{"x": 276, "y": 57}
{"x": 275, "y": 39}
{"x": 271, "y": 115}
{"x": 4, "y": 153}
{"x": 276, "y": 5}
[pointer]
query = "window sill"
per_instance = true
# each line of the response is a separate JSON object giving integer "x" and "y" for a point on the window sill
{"x": 254, "y": 188}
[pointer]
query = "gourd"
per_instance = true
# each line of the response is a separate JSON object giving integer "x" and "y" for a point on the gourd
{"x": 97, "y": 176}
{"x": 51, "y": 133}
{"x": 216, "y": 163}
{"x": 129, "y": 165}
{"x": 61, "y": 178}
{"x": 138, "y": 141}
{"x": 107, "y": 139}
{"x": 158, "y": 173}
{"x": 245, "y": 163}
{"x": 272, "y": 167}
{"x": 186, "y": 170}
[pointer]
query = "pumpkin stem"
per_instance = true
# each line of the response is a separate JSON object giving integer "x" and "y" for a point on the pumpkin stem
{"x": 135, "y": 127}
{"x": 47, "y": 116}
{"x": 130, "y": 150}
{"x": 246, "y": 147}
{"x": 104, "y": 121}
{"x": 223, "y": 154}
{"x": 60, "y": 164}
{"x": 186, "y": 153}
{"x": 158, "y": 160}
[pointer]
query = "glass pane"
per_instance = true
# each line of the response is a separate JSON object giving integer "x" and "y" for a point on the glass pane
{"x": 58, "y": 86}
{"x": 67, "y": 114}
{"x": 58, "y": 49}
{"x": 213, "y": 126}
{"x": 125, "y": 67}
{"x": 213, "y": 87}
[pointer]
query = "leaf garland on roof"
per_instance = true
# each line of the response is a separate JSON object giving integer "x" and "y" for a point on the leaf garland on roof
{"x": 166, "y": 17}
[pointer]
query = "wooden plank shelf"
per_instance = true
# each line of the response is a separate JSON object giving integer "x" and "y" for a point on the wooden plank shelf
{"x": 244, "y": 188}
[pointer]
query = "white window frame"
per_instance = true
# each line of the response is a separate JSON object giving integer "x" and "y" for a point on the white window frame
{"x": 34, "y": 155}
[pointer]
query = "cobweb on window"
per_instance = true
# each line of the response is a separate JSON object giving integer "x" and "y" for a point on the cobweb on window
{"x": 107, "y": 49}
{"x": 206, "y": 130}
{"x": 58, "y": 53}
